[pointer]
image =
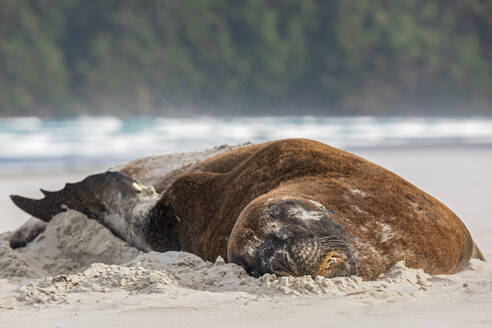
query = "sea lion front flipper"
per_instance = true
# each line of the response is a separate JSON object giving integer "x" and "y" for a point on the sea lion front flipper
{"x": 118, "y": 202}
{"x": 27, "y": 232}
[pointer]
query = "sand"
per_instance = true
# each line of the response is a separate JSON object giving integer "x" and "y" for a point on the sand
{"x": 76, "y": 273}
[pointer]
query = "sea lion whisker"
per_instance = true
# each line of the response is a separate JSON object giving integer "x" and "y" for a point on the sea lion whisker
{"x": 332, "y": 238}
{"x": 344, "y": 241}
{"x": 333, "y": 244}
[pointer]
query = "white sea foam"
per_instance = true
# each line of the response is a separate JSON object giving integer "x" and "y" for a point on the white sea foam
{"x": 32, "y": 141}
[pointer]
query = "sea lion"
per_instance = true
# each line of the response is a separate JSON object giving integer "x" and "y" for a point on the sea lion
{"x": 290, "y": 207}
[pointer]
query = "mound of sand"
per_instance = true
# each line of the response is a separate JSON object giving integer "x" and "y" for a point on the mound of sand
{"x": 70, "y": 243}
{"x": 78, "y": 255}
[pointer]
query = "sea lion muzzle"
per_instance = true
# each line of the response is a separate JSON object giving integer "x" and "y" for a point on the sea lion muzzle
{"x": 293, "y": 237}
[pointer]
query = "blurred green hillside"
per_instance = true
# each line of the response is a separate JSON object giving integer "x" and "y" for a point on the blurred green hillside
{"x": 184, "y": 57}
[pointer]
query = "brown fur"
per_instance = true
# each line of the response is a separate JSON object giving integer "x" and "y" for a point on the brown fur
{"x": 388, "y": 218}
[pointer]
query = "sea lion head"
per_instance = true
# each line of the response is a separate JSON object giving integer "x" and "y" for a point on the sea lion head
{"x": 290, "y": 236}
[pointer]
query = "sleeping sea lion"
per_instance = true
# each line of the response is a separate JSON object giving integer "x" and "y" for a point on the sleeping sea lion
{"x": 290, "y": 207}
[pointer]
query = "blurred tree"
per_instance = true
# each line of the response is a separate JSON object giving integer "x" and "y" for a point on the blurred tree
{"x": 33, "y": 76}
{"x": 174, "y": 57}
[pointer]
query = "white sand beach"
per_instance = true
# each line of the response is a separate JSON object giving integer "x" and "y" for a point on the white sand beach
{"x": 77, "y": 274}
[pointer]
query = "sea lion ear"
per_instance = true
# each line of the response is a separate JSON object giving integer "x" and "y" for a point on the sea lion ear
{"x": 89, "y": 196}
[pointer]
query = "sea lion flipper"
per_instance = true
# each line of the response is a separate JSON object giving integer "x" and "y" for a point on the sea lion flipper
{"x": 110, "y": 198}
{"x": 27, "y": 232}
{"x": 93, "y": 196}
{"x": 39, "y": 208}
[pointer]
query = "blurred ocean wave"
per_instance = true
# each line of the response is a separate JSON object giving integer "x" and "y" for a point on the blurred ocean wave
{"x": 30, "y": 143}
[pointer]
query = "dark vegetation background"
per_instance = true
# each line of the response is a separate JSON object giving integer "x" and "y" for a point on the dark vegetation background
{"x": 251, "y": 57}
